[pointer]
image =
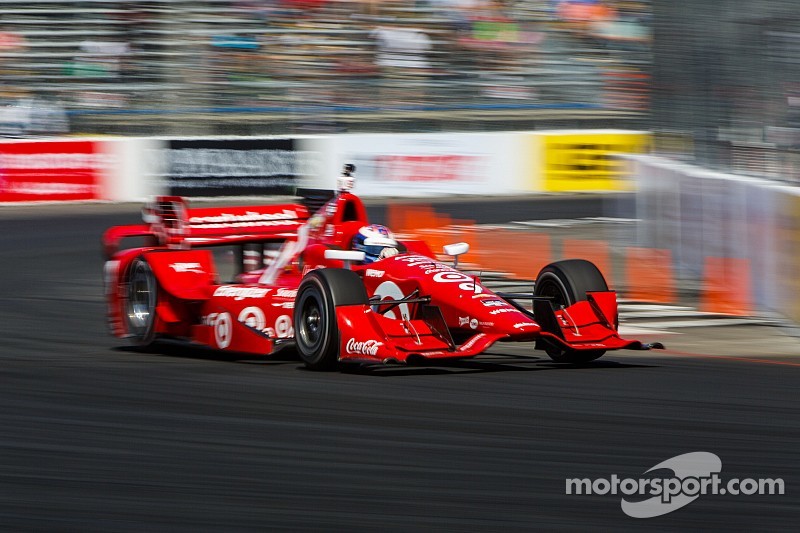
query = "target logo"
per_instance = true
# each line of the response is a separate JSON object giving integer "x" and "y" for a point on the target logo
{"x": 223, "y": 329}
{"x": 253, "y": 317}
{"x": 389, "y": 290}
{"x": 283, "y": 327}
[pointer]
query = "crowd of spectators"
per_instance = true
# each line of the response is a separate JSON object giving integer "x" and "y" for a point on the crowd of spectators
{"x": 91, "y": 58}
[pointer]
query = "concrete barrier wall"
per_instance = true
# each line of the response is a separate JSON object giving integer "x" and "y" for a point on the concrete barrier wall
{"x": 734, "y": 238}
{"x": 398, "y": 165}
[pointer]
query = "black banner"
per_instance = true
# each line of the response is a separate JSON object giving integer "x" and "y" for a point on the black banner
{"x": 232, "y": 167}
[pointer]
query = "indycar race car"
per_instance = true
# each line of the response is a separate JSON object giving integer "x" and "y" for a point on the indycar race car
{"x": 317, "y": 276}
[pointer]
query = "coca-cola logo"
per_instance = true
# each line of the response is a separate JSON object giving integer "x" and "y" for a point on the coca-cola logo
{"x": 368, "y": 347}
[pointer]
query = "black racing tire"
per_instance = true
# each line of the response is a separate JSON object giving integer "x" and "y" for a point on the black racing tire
{"x": 140, "y": 303}
{"x": 315, "y": 326}
{"x": 566, "y": 283}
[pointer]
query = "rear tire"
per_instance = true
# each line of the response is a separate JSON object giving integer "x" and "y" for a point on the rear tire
{"x": 140, "y": 305}
{"x": 566, "y": 283}
{"x": 315, "y": 325}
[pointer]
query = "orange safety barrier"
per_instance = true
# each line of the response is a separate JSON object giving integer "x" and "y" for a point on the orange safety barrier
{"x": 437, "y": 230}
{"x": 396, "y": 217}
{"x": 450, "y": 231}
{"x": 649, "y": 275}
{"x": 408, "y": 218}
{"x": 595, "y": 251}
{"x": 726, "y": 286}
{"x": 520, "y": 255}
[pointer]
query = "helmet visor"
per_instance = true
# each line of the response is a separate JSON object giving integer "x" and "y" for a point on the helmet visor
{"x": 373, "y": 251}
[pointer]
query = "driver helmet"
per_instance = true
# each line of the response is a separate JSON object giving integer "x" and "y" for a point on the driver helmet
{"x": 376, "y": 241}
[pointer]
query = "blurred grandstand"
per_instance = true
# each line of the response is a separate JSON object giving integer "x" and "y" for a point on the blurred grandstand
{"x": 718, "y": 82}
{"x": 246, "y": 67}
{"x": 726, "y": 84}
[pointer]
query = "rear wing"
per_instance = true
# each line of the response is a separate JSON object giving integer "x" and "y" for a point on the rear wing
{"x": 169, "y": 222}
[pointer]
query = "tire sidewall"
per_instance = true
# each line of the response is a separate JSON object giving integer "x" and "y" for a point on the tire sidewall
{"x": 143, "y": 335}
{"x": 323, "y": 352}
{"x": 551, "y": 277}
{"x": 574, "y": 278}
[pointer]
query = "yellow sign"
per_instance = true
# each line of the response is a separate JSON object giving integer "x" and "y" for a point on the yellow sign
{"x": 586, "y": 161}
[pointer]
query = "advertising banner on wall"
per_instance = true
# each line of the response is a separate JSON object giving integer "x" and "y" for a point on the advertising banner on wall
{"x": 62, "y": 170}
{"x": 566, "y": 161}
{"x": 230, "y": 167}
{"x": 420, "y": 164}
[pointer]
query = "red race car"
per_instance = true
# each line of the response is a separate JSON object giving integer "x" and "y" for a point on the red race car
{"x": 317, "y": 275}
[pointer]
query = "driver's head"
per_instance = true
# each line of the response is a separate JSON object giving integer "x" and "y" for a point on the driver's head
{"x": 376, "y": 241}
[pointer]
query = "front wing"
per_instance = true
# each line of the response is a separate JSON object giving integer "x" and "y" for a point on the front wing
{"x": 367, "y": 336}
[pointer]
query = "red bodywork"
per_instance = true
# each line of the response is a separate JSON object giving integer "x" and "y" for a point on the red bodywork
{"x": 254, "y": 313}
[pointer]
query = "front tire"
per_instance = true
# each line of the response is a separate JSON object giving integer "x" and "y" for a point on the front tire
{"x": 315, "y": 324}
{"x": 566, "y": 283}
{"x": 140, "y": 304}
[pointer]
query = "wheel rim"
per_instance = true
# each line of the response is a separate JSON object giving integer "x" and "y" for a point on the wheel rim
{"x": 311, "y": 323}
{"x": 141, "y": 299}
{"x": 550, "y": 288}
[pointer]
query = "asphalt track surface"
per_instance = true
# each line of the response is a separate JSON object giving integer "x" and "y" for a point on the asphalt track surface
{"x": 97, "y": 437}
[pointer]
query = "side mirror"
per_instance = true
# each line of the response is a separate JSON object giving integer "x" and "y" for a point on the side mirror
{"x": 345, "y": 255}
{"x": 456, "y": 249}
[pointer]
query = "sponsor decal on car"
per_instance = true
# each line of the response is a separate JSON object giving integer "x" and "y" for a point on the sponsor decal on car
{"x": 494, "y": 303}
{"x": 197, "y": 268}
{"x": 520, "y": 325}
{"x": 240, "y": 293}
{"x": 253, "y": 317}
{"x": 372, "y": 273}
{"x": 467, "y": 321}
{"x": 470, "y": 343}
{"x": 223, "y": 328}
{"x": 416, "y": 260}
{"x": 442, "y": 273}
{"x": 286, "y": 293}
{"x": 390, "y": 290}
{"x": 502, "y": 310}
{"x": 283, "y": 327}
{"x": 368, "y": 347}
{"x": 247, "y": 216}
